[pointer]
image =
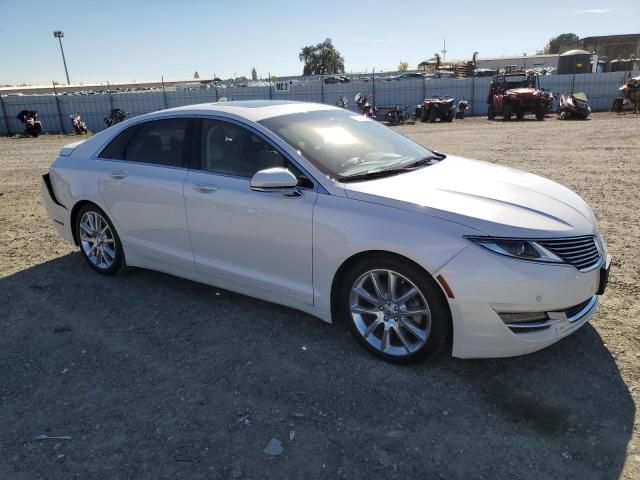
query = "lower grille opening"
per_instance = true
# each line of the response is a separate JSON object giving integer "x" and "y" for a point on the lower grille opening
{"x": 525, "y": 322}
{"x": 529, "y": 322}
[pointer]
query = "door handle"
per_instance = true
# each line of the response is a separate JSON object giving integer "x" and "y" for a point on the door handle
{"x": 205, "y": 188}
{"x": 118, "y": 174}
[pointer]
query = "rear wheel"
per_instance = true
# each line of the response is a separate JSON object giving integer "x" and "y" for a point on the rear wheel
{"x": 394, "y": 309}
{"x": 99, "y": 242}
{"x": 617, "y": 105}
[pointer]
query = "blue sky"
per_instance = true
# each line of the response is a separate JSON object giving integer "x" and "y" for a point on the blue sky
{"x": 119, "y": 40}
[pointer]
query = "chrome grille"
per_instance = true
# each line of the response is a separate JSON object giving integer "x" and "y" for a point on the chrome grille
{"x": 581, "y": 252}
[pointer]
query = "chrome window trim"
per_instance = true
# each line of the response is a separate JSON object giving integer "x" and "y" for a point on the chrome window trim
{"x": 135, "y": 121}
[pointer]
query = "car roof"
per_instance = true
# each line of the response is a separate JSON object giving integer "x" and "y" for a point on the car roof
{"x": 254, "y": 110}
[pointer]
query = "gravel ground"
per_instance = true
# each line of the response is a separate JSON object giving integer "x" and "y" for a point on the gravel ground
{"x": 150, "y": 376}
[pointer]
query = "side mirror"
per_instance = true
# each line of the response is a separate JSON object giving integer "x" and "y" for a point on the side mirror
{"x": 273, "y": 179}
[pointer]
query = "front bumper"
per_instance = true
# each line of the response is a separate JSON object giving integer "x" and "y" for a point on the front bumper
{"x": 59, "y": 215}
{"x": 484, "y": 284}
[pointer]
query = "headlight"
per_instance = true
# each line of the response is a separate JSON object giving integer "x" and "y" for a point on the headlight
{"x": 515, "y": 248}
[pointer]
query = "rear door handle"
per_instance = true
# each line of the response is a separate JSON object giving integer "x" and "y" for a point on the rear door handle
{"x": 205, "y": 188}
{"x": 118, "y": 174}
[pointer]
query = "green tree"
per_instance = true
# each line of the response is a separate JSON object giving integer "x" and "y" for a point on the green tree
{"x": 403, "y": 66}
{"x": 553, "y": 46}
{"x": 321, "y": 59}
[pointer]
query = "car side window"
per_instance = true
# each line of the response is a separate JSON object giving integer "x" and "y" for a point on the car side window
{"x": 232, "y": 150}
{"x": 159, "y": 142}
{"x": 116, "y": 147}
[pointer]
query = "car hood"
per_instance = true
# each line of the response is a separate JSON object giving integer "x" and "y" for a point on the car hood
{"x": 492, "y": 199}
{"x": 524, "y": 91}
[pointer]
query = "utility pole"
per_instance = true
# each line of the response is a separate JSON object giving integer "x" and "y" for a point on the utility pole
{"x": 58, "y": 34}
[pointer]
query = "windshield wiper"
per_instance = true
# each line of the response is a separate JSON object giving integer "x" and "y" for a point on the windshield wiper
{"x": 387, "y": 172}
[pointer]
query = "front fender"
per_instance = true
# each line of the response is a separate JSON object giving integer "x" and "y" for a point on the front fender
{"x": 344, "y": 227}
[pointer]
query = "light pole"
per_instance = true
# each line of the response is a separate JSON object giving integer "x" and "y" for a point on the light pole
{"x": 58, "y": 34}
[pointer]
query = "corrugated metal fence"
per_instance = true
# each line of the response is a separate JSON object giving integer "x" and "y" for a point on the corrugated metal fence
{"x": 54, "y": 111}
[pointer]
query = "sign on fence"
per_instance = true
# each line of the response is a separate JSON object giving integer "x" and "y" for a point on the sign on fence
{"x": 282, "y": 87}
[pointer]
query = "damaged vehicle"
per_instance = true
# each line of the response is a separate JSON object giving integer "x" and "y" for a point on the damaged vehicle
{"x": 434, "y": 108}
{"x": 329, "y": 212}
{"x": 574, "y": 106}
{"x": 516, "y": 93}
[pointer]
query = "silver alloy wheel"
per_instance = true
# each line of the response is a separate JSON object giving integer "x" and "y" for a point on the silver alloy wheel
{"x": 390, "y": 312}
{"x": 97, "y": 240}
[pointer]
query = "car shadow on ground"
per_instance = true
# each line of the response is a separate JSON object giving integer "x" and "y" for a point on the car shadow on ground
{"x": 145, "y": 375}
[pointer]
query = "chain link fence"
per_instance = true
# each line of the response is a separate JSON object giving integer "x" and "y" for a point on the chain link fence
{"x": 54, "y": 111}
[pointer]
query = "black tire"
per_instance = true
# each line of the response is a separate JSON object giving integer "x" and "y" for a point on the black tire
{"x": 440, "y": 333}
{"x": 394, "y": 117}
{"x": 119, "y": 260}
{"x": 491, "y": 114}
{"x": 423, "y": 114}
{"x": 433, "y": 115}
{"x": 506, "y": 112}
{"x": 541, "y": 111}
{"x": 519, "y": 114}
{"x": 617, "y": 105}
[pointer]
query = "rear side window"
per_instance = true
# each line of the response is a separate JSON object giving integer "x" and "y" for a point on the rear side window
{"x": 159, "y": 142}
{"x": 115, "y": 149}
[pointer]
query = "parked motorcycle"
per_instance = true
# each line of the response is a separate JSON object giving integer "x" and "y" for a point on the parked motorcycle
{"x": 463, "y": 105}
{"x": 79, "y": 127}
{"x": 116, "y": 116}
{"x": 33, "y": 126}
{"x": 392, "y": 114}
{"x": 573, "y": 106}
{"x": 549, "y": 98}
{"x": 630, "y": 92}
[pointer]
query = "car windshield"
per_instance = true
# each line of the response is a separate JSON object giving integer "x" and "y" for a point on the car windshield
{"x": 344, "y": 145}
{"x": 520, "y": 81}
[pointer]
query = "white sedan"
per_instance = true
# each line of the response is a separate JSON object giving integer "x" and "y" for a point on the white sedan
{"x": 325, "y": 211}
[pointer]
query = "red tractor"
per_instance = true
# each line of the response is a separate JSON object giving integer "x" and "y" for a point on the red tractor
{"x": 516, "y": 93}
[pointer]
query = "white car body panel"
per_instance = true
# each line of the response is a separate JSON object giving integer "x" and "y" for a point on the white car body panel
{"x": 262, "y": 238}
{"x": 497, "y": 200}
{"x": 148, "y": 205}
{"x": 287, "y": 250}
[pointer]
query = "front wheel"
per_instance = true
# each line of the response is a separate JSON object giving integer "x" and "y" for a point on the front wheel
{"x": 395, "y": 310}
{"x": 491, "y": 114}
{"x": 99, "y": 242}
{"x": 506, "y": 112}
{"x": 541, "y": 112}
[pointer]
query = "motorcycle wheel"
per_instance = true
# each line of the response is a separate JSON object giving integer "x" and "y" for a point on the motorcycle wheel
{"x": 491, "y": 114}
{"x": 617, "y": 105}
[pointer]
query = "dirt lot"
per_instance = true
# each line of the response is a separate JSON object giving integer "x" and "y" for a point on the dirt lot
{"x": 149, "y": 376}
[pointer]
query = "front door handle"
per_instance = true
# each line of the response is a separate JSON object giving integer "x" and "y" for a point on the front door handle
{"x": 118, "y": 174}
{"x": 205, "y": 188}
